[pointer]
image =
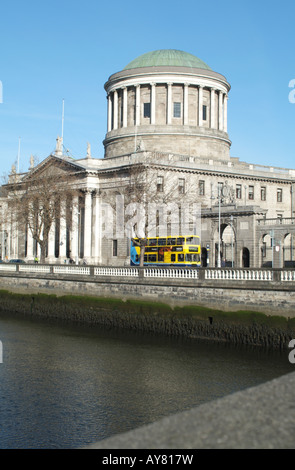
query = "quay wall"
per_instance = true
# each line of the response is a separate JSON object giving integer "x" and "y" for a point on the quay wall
{"x": 258, "y": 313}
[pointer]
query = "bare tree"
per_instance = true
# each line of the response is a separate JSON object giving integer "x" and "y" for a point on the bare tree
{"x": 154, "y": 198}
{"x": 36, "y": 199}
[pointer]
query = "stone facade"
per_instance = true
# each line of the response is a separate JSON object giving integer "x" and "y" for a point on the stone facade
{"x": 173, "y": 113}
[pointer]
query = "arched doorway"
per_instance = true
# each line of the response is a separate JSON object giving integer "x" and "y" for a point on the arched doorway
{"x": 288, "y": 250}
{"x": 266, "y": 251}
{"x": 246, "y": 258}
{"x": 228, "y": 245}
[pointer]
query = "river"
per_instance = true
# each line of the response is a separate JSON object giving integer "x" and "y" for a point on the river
{"x": 65, "y": 386}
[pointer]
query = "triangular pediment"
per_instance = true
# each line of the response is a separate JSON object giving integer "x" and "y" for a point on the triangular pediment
{"x": 54, "y": 166}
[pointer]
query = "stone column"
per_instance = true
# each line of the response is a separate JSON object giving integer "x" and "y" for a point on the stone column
{"x": 75, "y": 230}
{"x": 212, "y": 109}
{"x": 185, "y": 104}
{"x": 153, "y": 103}
{"x": 96, "y": 232}
{"x": 51, "y": 243}
{"x": 200, "y": 106}
{"x": 125, "y": 107}
{"x": 63, "y": 232}
{"x": 30, "y": 244}
{"x": 169, "y": 103}
{"x": 88, "y": 225}
{"x": 115, "y": 111}
{"x": 225, "y": 113}
{"x": 109, "y": 112}
{"x": 137, "y": 105}
{"x": 38, "y": 250}
{"x": 220, "y": 111}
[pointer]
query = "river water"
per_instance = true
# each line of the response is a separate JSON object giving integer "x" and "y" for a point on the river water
{"x": 65, "y": 386}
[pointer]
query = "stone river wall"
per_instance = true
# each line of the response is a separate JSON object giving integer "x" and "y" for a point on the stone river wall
{"x": 256, "y": 313}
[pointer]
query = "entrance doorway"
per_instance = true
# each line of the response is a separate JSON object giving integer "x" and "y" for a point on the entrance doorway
{"x": 246, "y": 258}
{"x": 204, "y": 256}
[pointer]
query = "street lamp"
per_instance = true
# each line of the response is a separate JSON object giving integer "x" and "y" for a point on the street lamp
{"x": 219, "y": 195}
{"x": 219, "y": 234}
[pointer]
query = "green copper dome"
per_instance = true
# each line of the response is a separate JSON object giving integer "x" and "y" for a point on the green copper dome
{"x": 167, "y": 57}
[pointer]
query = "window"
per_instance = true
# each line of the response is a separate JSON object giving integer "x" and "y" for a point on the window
{"x": 204, "y": 112}
{"x": 201, "y": 188}
{"x": 160, "y": 184}
{"x": 147, "y": 110}
{"x": 162, "y": 241}
{"x": 263, "y": 193}
{"x": 181, "y": 186}
{"x": 251, "y": 192}
{"x": 177, "y": 110}
{"x": 121, "y": 115}
{"x": 239, "y": 191}
{"x": 115, "y": 247}
{"x": 192, "y": 240}
{"x": 279, "y": 195}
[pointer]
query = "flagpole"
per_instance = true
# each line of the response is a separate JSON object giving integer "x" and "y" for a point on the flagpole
{"x": 18, "y": 155}
{"x": 62, "y": 121}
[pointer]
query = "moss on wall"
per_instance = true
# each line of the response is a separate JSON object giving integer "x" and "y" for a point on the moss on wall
{"x": 242, "y": 327}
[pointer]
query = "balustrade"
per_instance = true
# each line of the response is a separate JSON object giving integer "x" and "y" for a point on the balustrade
{"x": 71, "y": 270}
{"x": 206, "y": 274}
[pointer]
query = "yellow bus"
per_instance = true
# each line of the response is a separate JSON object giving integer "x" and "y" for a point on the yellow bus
{"x": 167, "y": 251}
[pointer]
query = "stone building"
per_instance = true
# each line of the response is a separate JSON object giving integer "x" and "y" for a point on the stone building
{"x": 170, "y": 108}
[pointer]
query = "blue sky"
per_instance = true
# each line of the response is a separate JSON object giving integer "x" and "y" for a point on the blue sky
{"x": 66, "y": 50}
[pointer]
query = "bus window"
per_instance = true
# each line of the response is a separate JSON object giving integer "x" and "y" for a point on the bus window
{"x": 180, "y": 241}
{"x": 161, "y": 254}
{"x": 151, "y": 249}
{"x": 188, "y": 257}
{"x": 177, "y": 248}
{"x": 145, "y": 258}
{"x": 192, "y": 240}
{"x": 162, "y": 241}
{"x": 152, "y": 242}
{"x": 180, "y": 257}
{"x": 173, "y": 256}
{"x": 171, "y": 241}
{"x": 196, "y": 258}
{"x": 152, "y": 258}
